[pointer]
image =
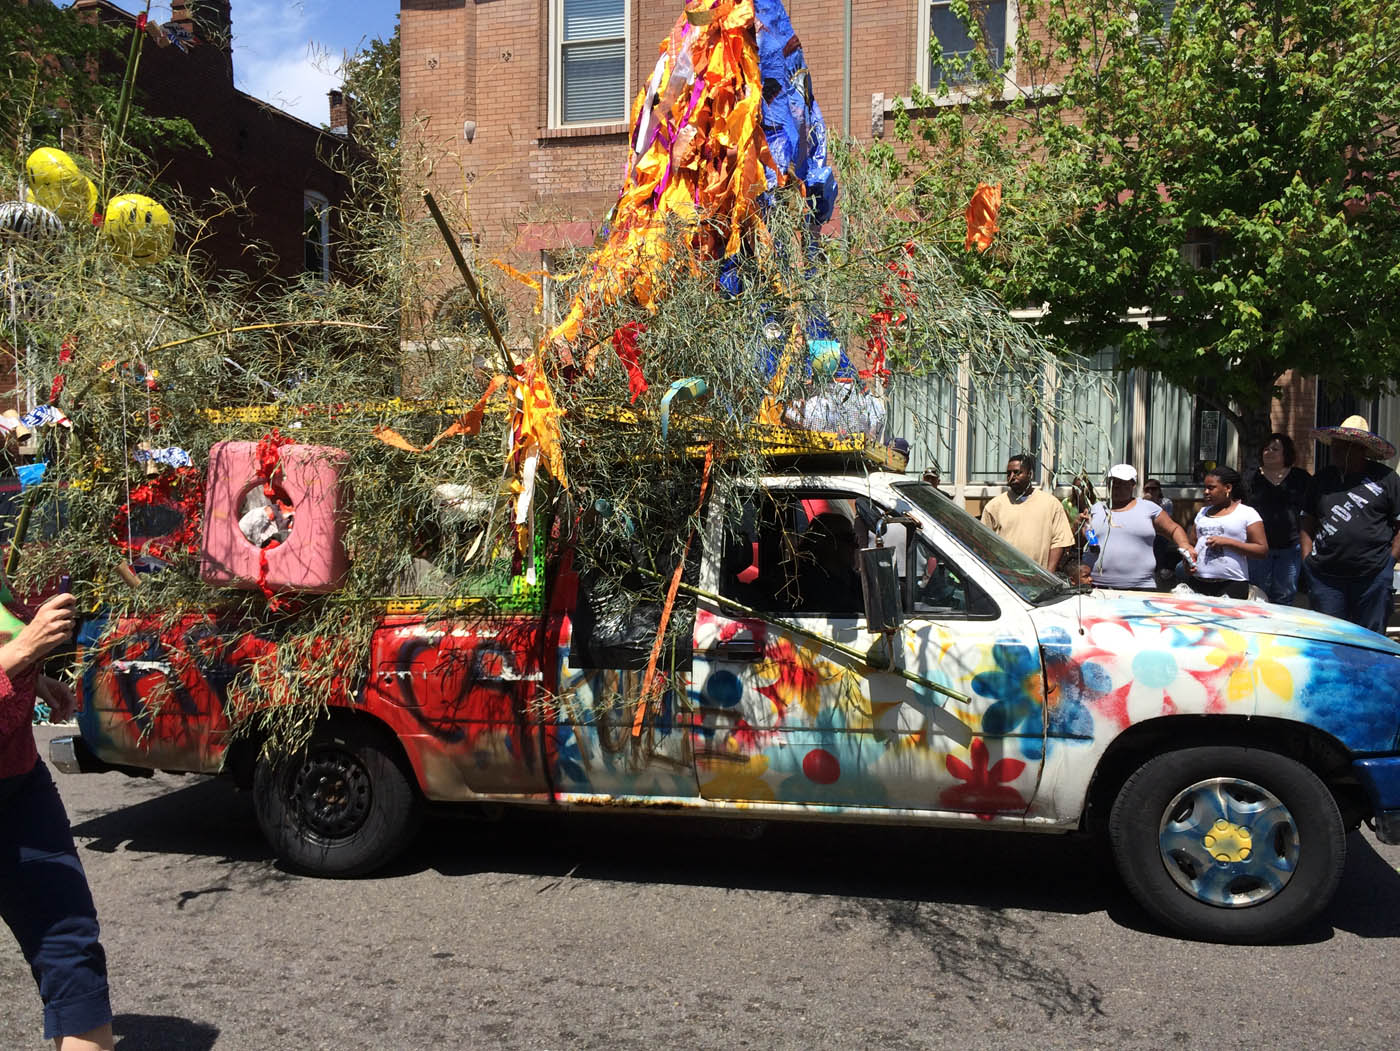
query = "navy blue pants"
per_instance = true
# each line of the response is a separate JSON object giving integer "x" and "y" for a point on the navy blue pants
{"x": 1361, "y": 600}
{"x": 45, "y": 900}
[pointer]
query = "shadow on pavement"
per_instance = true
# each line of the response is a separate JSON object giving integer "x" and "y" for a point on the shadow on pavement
{"x": 886, "y": 868}
{"x": 208, "y": 817}
{"x": 145, "y": 1032}
{"x": 1368, "y": 901}
{"x": 1051, "y": 873}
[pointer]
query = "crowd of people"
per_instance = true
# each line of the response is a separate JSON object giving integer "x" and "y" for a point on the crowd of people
{"x": 1336, "y": 532}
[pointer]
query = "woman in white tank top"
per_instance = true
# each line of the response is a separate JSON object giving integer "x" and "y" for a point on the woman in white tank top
{"x": 1225, "y": 534}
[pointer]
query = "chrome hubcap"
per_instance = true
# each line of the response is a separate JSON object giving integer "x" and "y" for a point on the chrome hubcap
{"x": 1228, "y": 842}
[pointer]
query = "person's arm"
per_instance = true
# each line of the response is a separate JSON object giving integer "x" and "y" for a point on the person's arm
{"x": 1255, "y": 544}
{"x": 51, "y": 627}
{"x": 60, "y": 698}
{"x": 1061, "y": 536}
{"x": 1308, "y": 520}
{"x": 1307, "y": 529}
{"x": 1167, "y": 527}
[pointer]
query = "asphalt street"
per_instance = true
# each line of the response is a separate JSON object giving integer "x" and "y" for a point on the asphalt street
{"x": 635, "y": 931}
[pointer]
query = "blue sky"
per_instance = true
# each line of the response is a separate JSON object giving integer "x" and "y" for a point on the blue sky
{"x": 289, "y": 52}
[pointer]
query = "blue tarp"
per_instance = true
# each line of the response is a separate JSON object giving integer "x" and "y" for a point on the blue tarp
{"x": 792, "y": 120}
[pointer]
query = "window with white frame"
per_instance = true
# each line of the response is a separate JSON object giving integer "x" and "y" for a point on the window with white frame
{"x": 316, "y": 234}
{"x": 588, "y": 62}
{"x": 951, "y": 42}
{"x": 1170, "y": 448}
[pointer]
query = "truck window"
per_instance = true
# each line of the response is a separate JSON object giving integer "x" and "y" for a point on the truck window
{"x": 794, "y": 553}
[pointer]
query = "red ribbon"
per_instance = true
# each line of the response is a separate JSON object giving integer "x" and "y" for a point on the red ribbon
{"x": 269, "y": 459}
{"x": 65, "y": 355}
{"x": 624, "y": 341}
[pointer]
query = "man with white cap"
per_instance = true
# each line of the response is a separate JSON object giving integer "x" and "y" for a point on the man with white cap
{"x": 1123, "y": 529}
{"x": 1347, "y": 534}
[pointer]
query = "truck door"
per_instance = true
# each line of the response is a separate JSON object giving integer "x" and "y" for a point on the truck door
{"x": 599, "y": 649}
{"x": 784, "y": 718}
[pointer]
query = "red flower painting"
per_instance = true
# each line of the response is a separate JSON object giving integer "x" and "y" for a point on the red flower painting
{"x": 986, "y": 789}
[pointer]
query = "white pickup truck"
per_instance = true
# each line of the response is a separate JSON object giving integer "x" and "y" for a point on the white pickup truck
{"x": 1224, "y": 748}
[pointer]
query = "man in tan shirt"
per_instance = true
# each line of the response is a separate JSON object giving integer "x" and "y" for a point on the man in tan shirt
{"x": 1028, "y": 519}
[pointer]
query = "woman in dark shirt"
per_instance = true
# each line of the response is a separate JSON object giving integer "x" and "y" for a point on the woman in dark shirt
{"x": 1276, "y": 490}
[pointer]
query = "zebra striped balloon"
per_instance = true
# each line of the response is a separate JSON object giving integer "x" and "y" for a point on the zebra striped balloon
{"x": 28, "y": 221}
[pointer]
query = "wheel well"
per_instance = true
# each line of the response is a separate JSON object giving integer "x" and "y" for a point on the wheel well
{"x": 242, "y": 754}
{"x": 1320, "y": 752}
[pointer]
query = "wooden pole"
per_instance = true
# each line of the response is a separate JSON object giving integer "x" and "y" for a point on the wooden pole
{"x": 469, "y": 277}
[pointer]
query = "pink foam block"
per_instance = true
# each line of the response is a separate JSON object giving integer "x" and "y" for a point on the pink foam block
{"x": 313, "y": 557}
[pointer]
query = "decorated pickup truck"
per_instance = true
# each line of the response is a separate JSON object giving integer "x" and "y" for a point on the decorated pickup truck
{"x": 1223, "y": 748}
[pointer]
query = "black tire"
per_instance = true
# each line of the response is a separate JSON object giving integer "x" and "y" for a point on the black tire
{"x": 344, "y": 806}
{"x": 1272, "y": 869}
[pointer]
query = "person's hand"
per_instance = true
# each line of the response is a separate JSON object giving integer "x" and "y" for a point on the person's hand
{"x": 52, "y": 626}
{"x": 1219, "y": 541}
{"x": 62, "y": 701}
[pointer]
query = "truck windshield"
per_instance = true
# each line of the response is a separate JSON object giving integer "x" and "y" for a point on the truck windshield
{"x": 1025, "y": 576}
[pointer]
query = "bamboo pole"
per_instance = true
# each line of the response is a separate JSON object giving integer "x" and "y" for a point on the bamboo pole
{"x": 469, "y": 278}
{"x": 133, "y": 61}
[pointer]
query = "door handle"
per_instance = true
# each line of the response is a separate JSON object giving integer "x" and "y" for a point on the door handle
{"x": 734, "y": 650}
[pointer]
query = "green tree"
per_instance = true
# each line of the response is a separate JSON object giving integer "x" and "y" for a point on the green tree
{"x": 43, "y": 83}
{"x": 1262, "y": 131}
{"x": 55, "y": 81}
{"x": 371, "y": 79}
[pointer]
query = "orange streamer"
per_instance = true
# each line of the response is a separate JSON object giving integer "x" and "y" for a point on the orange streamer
{"x": 981, "y": 214}
{"x": 469, "y": 423}
{"x": 649, "y": 682}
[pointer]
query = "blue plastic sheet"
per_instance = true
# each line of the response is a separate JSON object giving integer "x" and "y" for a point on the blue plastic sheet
{"x": 792, "y": 120}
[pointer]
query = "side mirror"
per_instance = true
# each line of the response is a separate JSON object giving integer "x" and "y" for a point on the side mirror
{"x": 879, "y": 585}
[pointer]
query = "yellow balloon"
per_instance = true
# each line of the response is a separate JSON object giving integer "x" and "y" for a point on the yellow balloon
{"x": 138, "y": 229}
{"x": 56, "y": 183}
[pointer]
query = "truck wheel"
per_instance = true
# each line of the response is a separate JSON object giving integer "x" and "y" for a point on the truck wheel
{"x": 1228, "y": 844}
{"x": 344, "y": 806}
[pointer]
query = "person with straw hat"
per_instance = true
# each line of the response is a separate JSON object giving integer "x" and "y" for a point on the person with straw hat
{"x": 1348, "y": 530}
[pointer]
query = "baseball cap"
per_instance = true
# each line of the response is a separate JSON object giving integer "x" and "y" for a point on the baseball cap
{"x": 1124, "y": 472}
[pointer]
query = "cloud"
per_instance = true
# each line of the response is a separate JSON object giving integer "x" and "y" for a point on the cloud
{"x": 275, "y": 58}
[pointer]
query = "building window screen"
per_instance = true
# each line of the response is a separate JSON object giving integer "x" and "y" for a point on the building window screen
{"x": 1000, "y": 427}
{"x": 592, "y": 61}
{"x": 952, "y": 38}
{"x": 1095, "y": 426}
{"x": 1170, "y": 419}
{"x": 923, "y": 411}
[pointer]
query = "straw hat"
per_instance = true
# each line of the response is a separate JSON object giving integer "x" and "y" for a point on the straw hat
{"x": 1356, "y": 429}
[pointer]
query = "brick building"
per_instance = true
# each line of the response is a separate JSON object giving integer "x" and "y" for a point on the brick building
{"x": 522, "y": 106}
{"x": 272, "y": 160}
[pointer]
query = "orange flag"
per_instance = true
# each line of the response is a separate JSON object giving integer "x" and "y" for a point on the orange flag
{"x": 469, "y": 423}
{"x": 538, "y": 422}
{"x": 982, "y": 216}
